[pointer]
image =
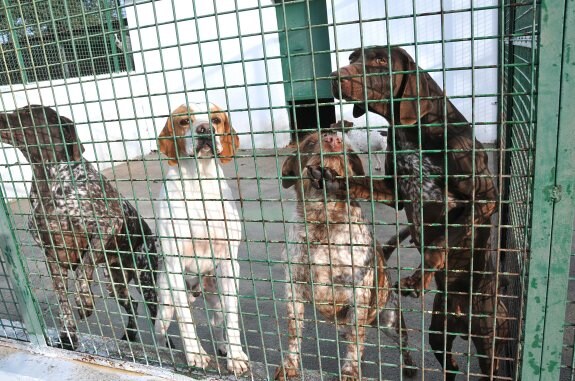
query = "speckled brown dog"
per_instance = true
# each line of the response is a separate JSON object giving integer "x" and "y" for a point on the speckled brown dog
{"x": 332, "y": 260}
{"x": 448, "y": 193}
{"x": 79, "y": 219}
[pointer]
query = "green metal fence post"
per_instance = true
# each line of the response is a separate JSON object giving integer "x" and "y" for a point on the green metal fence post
{"x": 553, "y": 195}
{"x": 17, "y": 274}
{"x": 303, "y": 53}
{"x": 305, "y": 57}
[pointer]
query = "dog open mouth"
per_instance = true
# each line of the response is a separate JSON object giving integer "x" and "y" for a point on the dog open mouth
{"x": 205, "y": 147}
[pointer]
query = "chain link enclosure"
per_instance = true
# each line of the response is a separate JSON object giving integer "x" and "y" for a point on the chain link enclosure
{"x": 117, "y": 68}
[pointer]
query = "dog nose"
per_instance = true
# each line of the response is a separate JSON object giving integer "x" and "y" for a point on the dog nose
{"x": 203, "y": 128}
{"x": 343, "y": 73}
{"x": 340, "y": 83}
{"x": 332, "y": 140}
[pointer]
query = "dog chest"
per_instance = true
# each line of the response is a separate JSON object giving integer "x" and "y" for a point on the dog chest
{"x": 202, "y": 210}
{"x": 339, "y": 253}
{"x": 75, "y": 202}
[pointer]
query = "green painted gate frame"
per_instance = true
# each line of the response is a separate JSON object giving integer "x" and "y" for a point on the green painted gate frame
{"x": 27, "y": 304}
{"x": 553, "y": 208}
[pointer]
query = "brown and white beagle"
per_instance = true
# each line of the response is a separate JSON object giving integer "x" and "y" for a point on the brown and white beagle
{"x": 199, "y": 231}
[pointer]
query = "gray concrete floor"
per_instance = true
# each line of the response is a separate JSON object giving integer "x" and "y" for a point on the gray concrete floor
{"x": 18, "y": 364}
{"x": 267, "y": 212}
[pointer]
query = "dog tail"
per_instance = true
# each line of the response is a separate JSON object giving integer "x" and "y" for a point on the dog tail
{"x": 148, "y": 270}
{"x": 391, "y": 244}
{"x": 145, "y": 258}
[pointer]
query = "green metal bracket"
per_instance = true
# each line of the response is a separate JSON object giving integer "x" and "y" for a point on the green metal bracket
{"x": 303, "y": 33}
{"x": 110, "y": 30}
{"x": 19, "y": 280}
{"x": 553, "y": 195}
{"x": 16, "y": 42}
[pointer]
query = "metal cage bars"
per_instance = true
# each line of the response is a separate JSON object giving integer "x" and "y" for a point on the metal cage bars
{"x": 547, "y": 140}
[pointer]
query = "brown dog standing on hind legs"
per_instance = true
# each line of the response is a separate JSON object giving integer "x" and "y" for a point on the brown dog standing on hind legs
{"x": 332, "y": 261}
{"x": 457, "y": 197}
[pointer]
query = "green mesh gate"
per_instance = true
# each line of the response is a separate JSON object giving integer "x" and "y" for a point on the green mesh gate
{"x": 518, "y": 134}
{"x": 118, "y": 68}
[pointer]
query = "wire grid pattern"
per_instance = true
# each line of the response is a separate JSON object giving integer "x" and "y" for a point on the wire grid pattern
{"x": 44, "y": 41}
{"x": 520, "y": 69}
{"x": 10, "y": 323}
{"x": 254, "y": 174}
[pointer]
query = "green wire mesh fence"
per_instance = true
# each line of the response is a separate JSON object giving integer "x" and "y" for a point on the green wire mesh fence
{"x": 112, "y": 73}
{"x": 11, "y": 318}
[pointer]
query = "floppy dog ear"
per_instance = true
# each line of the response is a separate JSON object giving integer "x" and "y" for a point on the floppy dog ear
{"x": 166, "y": 142}
{"x": 408, "y": 109}
{"x": 356, "y": 164}
{"x": 290, "y": 168}
{"x": 230, "y": 142}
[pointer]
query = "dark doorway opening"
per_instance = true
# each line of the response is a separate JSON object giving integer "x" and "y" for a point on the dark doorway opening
{"x": 304, "y": 115}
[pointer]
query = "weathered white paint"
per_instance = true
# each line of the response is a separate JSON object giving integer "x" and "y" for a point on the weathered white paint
{"x": 119, "y": 115}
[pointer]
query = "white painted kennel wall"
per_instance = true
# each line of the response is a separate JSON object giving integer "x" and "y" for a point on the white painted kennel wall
{"x": 129, "y": 109}
{"x": 456, "y": 25}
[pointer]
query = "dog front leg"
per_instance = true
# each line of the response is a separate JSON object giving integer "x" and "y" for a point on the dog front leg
{"x": 477, "y": 190}
{"x": 85, "y": 274}
{"x": 378, "y": 167}
{"x": 237, "y": 359}
{"x": 195, "y": 354}
{"x": 117, "y": 288}
{"x": 295, "y": 313}
{"x": 213, "y": 298}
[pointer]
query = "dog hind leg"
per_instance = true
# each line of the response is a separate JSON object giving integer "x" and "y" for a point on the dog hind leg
{"x": 485, "y": 330}
{"x": 391, "y": 317}
{"x": 441, "y": 340}
{"x": 68, "y": 336}
{"x": 119, "y": 291}
{"x": 93, "y": 255}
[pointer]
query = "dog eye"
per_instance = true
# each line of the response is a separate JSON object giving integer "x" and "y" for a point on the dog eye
{"x": 184, "y": 122}
{"x": 216, "y": 120}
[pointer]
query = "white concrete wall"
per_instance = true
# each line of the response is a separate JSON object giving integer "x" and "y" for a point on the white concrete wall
{"x": 456, "y": 25}
{"x": 127, "y": 110}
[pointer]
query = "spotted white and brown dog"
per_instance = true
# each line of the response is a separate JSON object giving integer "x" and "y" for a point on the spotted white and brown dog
{"x": 80, "y": 219}
{"x": 199, "y": 229}
{"x": 332, "y": 258}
